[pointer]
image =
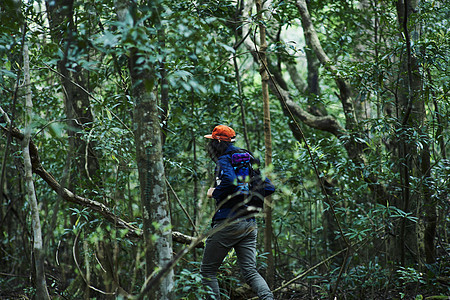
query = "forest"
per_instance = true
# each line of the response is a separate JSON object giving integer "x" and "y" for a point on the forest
{"x": 104, "y": 105}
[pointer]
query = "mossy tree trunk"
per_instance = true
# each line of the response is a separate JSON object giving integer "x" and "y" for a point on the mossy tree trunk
{"x": 149, "y": 158}
{"x": 414, "y": 239}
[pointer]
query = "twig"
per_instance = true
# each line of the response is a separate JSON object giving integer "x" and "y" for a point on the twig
{"x": 225, "y": 61}
{"x": 154, "y": 279}
{"x": 182, "y": 207}
{"x": 307, "y": 271}
{"x": 81, "y": 272}
{"x": 13, "y": 275}
{"x": 321, "y": 263}
{"x": 89, "y": 94}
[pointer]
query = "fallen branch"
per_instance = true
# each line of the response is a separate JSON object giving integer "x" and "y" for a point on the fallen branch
{"x": 154, "y": 279}
{"x": 64, "y": 193}
{"x": 285, "y": 284}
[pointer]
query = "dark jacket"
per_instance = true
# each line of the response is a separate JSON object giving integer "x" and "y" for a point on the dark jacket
{"x": 229, "y": 199}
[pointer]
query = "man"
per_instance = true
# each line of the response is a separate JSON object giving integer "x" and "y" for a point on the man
{"x": 241, "y": 232}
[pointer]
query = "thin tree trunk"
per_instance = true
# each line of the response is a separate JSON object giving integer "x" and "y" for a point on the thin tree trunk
{"x": 241, "y": 104}
{"x": 267, "y": 142}
{"x": 38, "y": 251}
{"x": 239, "y": 7}
{"x": 164, "y": 90}
{"x": 195, "y": 197}
{"x": 405, "y": 240}
{"x": 429, "y": 206}
{"x": 412, "y": 115}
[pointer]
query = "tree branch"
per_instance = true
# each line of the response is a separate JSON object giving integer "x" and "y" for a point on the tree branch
{"x": 344, "y": 89}
{"x": 324, "y": 123}
{"x": 69, "y": 196}
{"x": 354, "y": 147}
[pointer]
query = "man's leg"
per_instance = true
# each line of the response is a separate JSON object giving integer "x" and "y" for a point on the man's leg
{"x": 213, "y": 255}
{"x": 246, "y": 254}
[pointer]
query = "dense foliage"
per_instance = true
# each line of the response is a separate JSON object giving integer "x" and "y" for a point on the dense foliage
{"x": 360, "y": 212}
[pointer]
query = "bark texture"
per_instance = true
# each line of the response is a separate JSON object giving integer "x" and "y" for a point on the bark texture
{"x": 75, "y": 84}
{"x": 38, "y": 250}
{"x": 412, "y": 117}
{"x": 149, "y": 158}
{"x": 154, "y": 201}
{"x": 268, "y": 236}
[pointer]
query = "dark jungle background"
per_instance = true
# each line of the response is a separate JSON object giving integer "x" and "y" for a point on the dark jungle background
{"x": 104, "y": 173}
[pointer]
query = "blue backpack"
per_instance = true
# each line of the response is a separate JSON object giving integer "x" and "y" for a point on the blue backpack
{"x": 249, "y": 180}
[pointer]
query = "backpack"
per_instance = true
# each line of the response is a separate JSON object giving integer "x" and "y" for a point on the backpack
{"x": 249, "y": 180}
{"x": 241, "y": 162}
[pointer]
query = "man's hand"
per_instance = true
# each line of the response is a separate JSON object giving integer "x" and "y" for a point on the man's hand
{"x": 210, "y": 192}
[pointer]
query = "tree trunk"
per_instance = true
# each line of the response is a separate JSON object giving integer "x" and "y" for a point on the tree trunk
{"x": 155, "y": 205}
{"x": 38, "y": 251}
{"x": 412, "y": 117}
{"x": 315, "y": 107}
{"x": 149, "y": 157}
{"x": 429, "y": 206}
{"x": 267, "y": 143}
{"x": 354, "y": 147}
{"x": 85, "y": 171}
{"x": 77, "y": 103}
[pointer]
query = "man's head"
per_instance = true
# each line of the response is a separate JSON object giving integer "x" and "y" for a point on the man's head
{"x": 222, "y": 133}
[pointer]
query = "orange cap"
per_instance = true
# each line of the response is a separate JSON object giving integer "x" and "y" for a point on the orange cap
{"x": 222, "y": 133}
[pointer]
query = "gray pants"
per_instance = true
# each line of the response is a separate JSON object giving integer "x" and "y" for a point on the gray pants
{"x": 242, "y": 237}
